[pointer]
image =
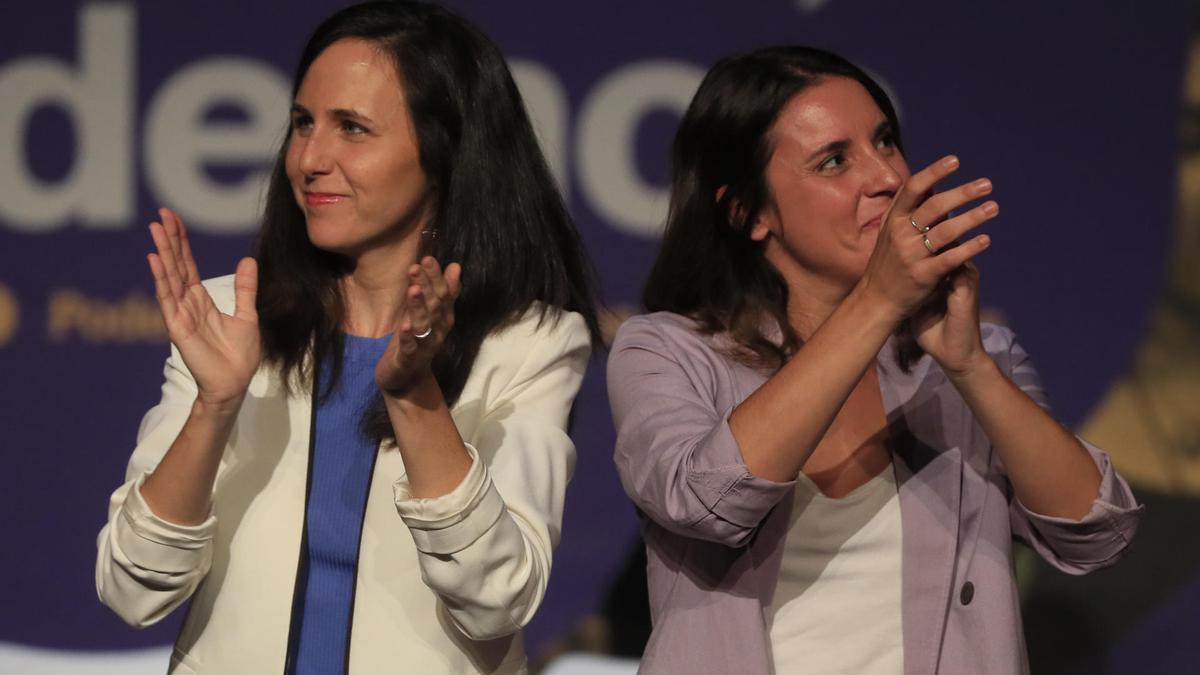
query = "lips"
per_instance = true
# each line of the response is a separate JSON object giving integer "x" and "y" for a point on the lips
{"x": 314, "y": 199}
{"x": 874, "y": 222}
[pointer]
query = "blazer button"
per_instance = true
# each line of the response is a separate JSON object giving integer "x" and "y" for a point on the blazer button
{"x": 967, "y": 594}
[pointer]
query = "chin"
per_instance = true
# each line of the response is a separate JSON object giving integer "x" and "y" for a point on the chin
{"x": 330, "y": 239}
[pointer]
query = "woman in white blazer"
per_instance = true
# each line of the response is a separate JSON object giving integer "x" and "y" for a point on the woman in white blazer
{"x": 359, "y": 460}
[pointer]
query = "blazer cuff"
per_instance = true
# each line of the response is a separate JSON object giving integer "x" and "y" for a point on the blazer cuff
{"x": 1106, "y": 529}
{"x": 726, "y": 486}
{"x": 156, "y": 544}
{"x": 447, "y": 524}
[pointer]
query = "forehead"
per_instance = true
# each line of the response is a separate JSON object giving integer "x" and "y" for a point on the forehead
{"x": 832, "y": 109}
{"x": 350, "y": 73}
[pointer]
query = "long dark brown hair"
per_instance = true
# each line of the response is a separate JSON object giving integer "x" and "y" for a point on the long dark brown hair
{"x": 709, "y": 268}
{"x": 494, "y": 206}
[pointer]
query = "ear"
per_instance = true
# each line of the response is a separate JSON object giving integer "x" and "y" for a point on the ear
{"x": 758, "y": 229}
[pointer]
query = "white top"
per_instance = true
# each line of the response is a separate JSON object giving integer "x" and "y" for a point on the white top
{"x": 444, "y": 585}
{"x": 837, "y": 601}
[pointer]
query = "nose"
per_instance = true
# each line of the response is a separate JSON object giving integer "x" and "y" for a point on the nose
{"x": 886, "y": 173}
{"x": 314, "y": 159}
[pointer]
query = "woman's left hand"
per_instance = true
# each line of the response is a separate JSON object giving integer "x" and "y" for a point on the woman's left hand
{"x": 426, "y": 318}
{"x": 951, "y": 334}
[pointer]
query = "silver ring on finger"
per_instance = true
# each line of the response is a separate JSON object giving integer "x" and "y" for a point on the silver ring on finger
{"x": 928, "y": 244}
{"x": 913, "y": 221}
{"x": 422, "y": 336}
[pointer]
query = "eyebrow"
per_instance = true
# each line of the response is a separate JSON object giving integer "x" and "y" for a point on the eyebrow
{"x": 338, "y": 113}
{"x": 841, "y": 145}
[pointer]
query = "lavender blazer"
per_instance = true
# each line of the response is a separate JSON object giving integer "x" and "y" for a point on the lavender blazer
{"x": 714, "y": 532}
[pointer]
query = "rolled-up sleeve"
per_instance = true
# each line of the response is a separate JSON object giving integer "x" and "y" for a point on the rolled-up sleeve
{"x": 676, "y": 455}
{"x": 486, "y": 547}
{"x": 146, "y": 566}
{"x": 447, "y": 524}
{"x": 1100, "y": 537}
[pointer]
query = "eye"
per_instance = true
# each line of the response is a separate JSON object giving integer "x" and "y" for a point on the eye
{"x": 886, "y": 140}
{"x": 832, "y": 162}
{"x": 301, "y": 122}
{"x": 353, "y": 128}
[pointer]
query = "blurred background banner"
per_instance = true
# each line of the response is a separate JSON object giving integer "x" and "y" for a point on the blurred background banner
{"x": 1085, "y": 115}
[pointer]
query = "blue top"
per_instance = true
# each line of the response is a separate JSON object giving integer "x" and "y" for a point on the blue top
{"x": 342, "y": 461}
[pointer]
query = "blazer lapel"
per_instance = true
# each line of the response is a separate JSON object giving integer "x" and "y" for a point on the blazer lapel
{"x": 929, "y": 479}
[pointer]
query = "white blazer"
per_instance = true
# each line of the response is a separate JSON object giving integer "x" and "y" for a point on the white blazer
{"x": 444, "y": 585}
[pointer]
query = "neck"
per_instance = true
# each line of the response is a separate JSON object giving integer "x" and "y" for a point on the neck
{"x": 811, "y": 297}
{"x": 376, "y": 286}
{"x": 808, "y": 308}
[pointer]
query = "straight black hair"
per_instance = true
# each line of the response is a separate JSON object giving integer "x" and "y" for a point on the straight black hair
{"x": 494, "y": 206}
{"x": 709, "y": 268}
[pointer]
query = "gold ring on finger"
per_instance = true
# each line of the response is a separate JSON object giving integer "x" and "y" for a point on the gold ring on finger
{"x": 912, "y": 219}
{"x": 928, "y": 245}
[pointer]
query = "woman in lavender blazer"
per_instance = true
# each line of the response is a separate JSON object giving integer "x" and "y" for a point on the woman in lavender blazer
{"x": 831, "y": 453}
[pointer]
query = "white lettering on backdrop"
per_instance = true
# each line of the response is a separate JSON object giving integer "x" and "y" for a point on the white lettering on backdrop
{"x": 179, "y": 144}
{"x": 607, "y": 139}
{"x": 98, "y": 191}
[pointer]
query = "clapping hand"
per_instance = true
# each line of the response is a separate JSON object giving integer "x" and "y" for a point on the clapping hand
{"x": 916, "y": 248}
{"x": 426, "y": 318}
{"x": 927, "y": 273}
{"x": 221, "y": 351}
{"x": 949, "y": 331}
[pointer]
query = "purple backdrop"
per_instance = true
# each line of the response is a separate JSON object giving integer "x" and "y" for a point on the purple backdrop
{"x": 1070, "y": 108}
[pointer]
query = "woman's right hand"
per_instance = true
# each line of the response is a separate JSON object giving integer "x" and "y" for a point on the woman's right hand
{"x": 221, "y": 351}
{"x": 903, "y": 271}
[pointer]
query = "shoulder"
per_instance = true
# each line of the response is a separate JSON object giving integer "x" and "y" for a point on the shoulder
{"x": 540, "y": 336}
{"x": 661, "y": 330}
{"x": 540, "y": 326}
{"x": 645, "y": 342}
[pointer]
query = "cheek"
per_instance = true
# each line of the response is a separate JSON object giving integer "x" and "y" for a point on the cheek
{"x": 811, "y": 212}
{"x": 374, "y": 171}
{"x": 834, "y": 202}
{"x": 386, "y": 188}
{"x": 401, "y": 176}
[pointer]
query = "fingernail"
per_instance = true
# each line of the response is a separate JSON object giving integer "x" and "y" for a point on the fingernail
{"x": 985, "y": 241}
{"x": 991, "y": 208}
{"x": 950, "y": 162}
{"x": 982, "y": 186}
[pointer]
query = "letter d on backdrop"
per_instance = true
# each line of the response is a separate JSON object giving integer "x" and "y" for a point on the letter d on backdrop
{"x": 98, "y": 95}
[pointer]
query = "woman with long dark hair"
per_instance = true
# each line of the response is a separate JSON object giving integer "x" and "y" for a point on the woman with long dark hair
{"x": 360, "y": 456}
{"x": 830, "y": 452}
